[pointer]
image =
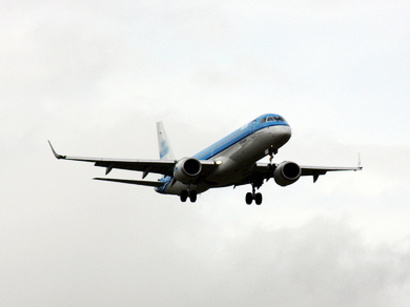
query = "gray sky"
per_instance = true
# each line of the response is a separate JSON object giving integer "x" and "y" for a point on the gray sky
{"x": 94, "y": 77}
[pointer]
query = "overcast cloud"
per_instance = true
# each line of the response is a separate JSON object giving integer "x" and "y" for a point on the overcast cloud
{"x": 94, "y": 77}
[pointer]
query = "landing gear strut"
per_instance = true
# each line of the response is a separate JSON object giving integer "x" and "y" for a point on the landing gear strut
{"x": 192, "y": 194}
{"x": 272, "y": 152}
{"x": 253, "y": 196}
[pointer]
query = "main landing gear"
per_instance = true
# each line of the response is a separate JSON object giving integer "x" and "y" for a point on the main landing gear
{"x": 253, "y": 196}
{"x": 257, "y": 182}
{"x": 192, "y": 194}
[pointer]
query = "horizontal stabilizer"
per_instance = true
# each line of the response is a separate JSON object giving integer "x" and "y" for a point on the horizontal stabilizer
{"x": 138, "y": 182}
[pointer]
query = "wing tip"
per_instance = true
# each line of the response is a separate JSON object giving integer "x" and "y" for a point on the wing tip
{"x": 359, "y": 162}
{"x": 57, "y": 155}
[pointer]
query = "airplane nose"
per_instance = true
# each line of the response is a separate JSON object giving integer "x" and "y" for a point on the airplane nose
{"x": 281, "y": 134}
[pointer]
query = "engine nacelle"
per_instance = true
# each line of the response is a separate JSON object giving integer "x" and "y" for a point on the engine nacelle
{"x": 287, "y": 173}
{"x": 187, "y": 170}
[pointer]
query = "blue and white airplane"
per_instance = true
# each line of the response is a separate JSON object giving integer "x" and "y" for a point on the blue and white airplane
{"x": 232, "y": 161}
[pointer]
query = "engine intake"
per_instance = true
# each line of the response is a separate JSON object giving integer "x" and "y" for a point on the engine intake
{"x": 287, "y": 173}
{"x": 187, "y": 170}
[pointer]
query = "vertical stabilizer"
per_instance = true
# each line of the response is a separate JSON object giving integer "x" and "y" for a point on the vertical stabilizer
{"x": 165, "y": 150}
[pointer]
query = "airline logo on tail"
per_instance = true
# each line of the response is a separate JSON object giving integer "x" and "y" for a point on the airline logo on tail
{"x": 165, "y": 151}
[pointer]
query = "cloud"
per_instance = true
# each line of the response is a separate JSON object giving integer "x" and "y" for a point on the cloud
{"x": 128, "y": 261}
{"x": 95, "y": 77}
{"x": 322, "y": 263}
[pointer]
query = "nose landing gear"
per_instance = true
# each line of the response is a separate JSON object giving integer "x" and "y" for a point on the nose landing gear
{"x": 272, "y": 151}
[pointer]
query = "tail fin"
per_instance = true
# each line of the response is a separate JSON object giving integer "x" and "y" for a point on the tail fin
{"x": 165, "y": 150}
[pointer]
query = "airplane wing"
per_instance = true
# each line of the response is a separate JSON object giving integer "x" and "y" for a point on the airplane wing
{"x": 315, "y": 171}
{"x": 163, "y": 167}
{"x": 139, "y": 182}
{"x": 146, "y": 166}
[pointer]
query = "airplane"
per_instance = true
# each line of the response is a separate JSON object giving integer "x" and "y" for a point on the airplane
{"x": 231, "y": 161}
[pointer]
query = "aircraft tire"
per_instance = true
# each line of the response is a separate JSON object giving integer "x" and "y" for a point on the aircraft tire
{"x": 193, "y": 195}
{"x": 249, "y": 198}
{"x": 258, "y": 198}
{"x": 184, "y": 196}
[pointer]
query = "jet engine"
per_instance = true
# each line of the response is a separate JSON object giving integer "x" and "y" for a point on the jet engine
{"x": 187, "y": 170}
{"x": 287, "y": 173}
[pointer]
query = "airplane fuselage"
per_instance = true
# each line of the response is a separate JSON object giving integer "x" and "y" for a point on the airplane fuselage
{"x": 236, "y": 154}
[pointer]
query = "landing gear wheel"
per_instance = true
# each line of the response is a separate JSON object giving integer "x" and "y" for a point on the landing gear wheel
{"x": 249, "y": 198}
{"x": 258, "y": 198}
{"x": 193, "y": 196}
{"x": 184, "y": 195}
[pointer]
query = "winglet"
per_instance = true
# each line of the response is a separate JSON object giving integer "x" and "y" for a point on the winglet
{"x": 58, "y": 156}
{"x": 359, "y": 163}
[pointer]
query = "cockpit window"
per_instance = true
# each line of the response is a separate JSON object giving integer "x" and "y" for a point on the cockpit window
{"x": 276, "y": 118}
